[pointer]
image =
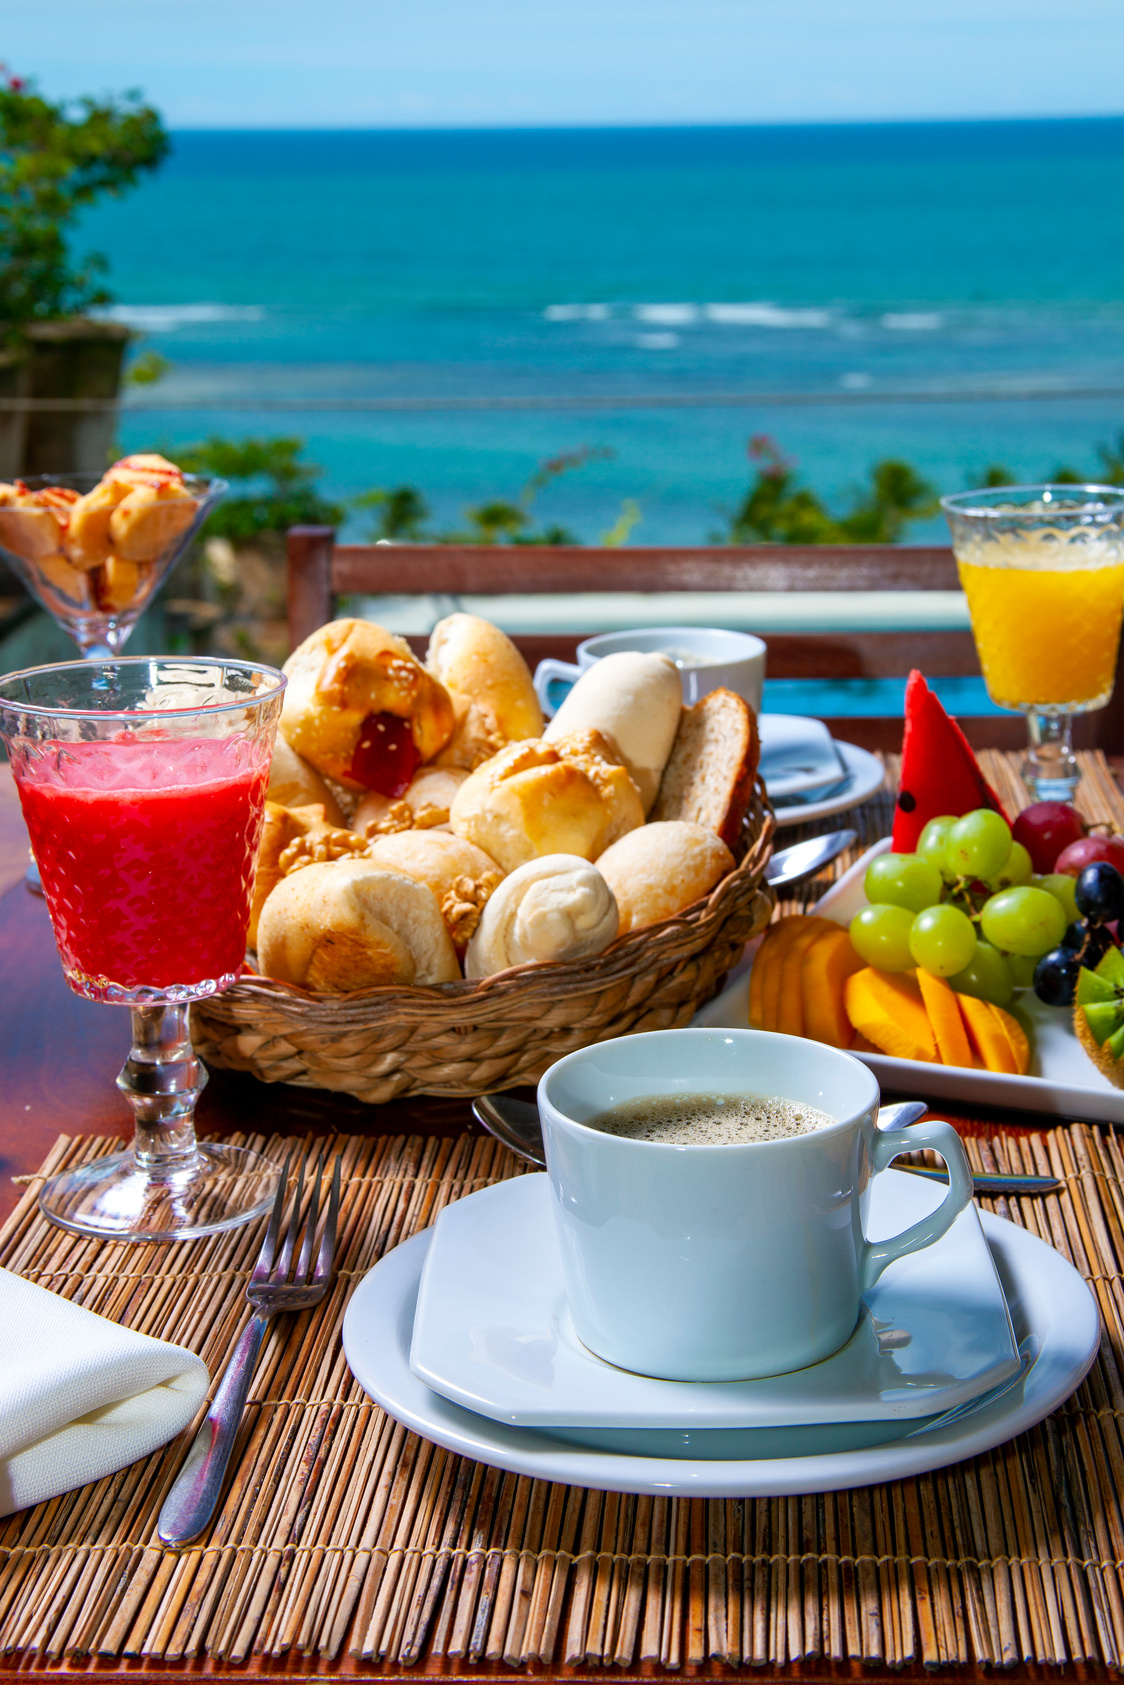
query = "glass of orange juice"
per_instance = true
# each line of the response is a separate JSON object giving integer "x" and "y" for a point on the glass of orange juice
{"x": 1043, "y": 570}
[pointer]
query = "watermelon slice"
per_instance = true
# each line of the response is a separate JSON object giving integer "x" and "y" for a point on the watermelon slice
{"x": 940, "y": 774}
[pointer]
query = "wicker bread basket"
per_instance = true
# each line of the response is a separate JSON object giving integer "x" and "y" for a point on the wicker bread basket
{"x": 469, "y": 1038}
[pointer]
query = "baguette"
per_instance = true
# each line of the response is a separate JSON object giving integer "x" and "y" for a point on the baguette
{"x": 634, "y": 700}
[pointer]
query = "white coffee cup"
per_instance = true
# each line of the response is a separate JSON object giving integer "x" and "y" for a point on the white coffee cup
{"x": 707, "y": 657}
{"x": 721, "y": 1263}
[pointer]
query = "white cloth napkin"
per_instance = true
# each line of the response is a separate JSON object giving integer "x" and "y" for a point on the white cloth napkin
{"x": 81, "y": 1397}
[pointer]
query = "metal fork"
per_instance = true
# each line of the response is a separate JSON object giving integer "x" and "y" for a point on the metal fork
{"x": 273, "y": 1288}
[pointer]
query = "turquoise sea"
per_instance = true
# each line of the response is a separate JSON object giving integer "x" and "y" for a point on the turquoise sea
{"x": 450, "y": 308}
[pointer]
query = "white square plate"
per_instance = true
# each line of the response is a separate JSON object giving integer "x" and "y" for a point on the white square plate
{"x": 1062, "y": 1081}
{"x": 492, "y": 1330}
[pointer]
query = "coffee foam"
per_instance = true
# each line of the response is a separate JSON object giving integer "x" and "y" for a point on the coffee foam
{"x": 709, "y": 1120}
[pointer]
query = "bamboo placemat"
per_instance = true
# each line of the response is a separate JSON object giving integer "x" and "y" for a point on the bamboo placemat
{"x": 345, "y": 1536}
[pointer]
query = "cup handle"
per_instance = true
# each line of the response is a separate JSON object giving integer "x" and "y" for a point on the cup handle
{"x": 941, "y": 1138}
{"x": 545, "y": 672}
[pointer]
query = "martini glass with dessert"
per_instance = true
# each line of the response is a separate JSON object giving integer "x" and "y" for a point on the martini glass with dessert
{"x": 94, "y": 549}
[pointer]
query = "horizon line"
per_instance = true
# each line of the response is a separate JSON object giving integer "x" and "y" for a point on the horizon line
{"x": 626, "y": 126}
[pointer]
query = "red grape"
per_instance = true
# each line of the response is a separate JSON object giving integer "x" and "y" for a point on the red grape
{"x": 1074, "y": 859}
{"x": 1045, "y": 829}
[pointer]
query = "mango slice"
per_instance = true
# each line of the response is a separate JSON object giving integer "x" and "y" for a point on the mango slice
{"x": 825, "y": 968}
{"x": 944, "y": 1015}
{"x": 987, "y": 1035}
{"x": 1016, "y": 1037}
{"x": 764, "y": 979}
{"x": 888, "y": 1010}
{"x": 790, "y": 1003}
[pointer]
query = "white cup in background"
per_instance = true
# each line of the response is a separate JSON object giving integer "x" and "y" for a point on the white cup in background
{"x": 722, "y": 1263}
{"x": 707, "y": 657}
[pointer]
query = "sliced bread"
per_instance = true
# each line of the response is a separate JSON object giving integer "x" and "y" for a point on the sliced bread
{"x": 709, "y": 774}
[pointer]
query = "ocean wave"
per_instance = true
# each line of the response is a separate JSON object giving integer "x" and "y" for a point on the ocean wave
{"x": 915, "y": 321}
{"x": 657, "y": 341}
{"x": 666, "y": 315}
{"x": 576, "y": 312}
{"x": 763, "y": 315}
{"x": 164, "y": 318}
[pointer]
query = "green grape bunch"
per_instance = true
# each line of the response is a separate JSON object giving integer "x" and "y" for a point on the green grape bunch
{"x": 966, "y": 907}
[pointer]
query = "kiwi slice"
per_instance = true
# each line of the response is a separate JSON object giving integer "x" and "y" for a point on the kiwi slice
{"x": 1098, "y": 1015}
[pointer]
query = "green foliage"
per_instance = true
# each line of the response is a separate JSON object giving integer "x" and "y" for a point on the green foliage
{"x": 1112, "y": 462}
{"x": 778, "y": 510}
{"x": 402, "y": 513}
{"x": 628, "y": 518}
{"x": 1110, "y": 471}
{"x": 272, "y": 488}
{"x": 55, "y": 159}
{"x": 147, "y": 369}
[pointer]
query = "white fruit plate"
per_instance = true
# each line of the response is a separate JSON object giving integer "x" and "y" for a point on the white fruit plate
{"x": 1062, "y": 1082}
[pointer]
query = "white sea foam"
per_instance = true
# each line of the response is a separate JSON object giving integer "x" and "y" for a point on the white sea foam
{"x": 576, "y": 312}
{"x": 657, "y": 341}
{"x": 667, "y": 315}
{"x": 764, "y": 315}
{"x": 164, "y": 318}
{"x": 912, "y": 321}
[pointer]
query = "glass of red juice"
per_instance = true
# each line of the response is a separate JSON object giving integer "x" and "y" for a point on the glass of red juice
{"x": 143, "y": 786}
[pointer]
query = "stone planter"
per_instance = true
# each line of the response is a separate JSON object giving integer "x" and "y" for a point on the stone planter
{"x": 73, "y": 360}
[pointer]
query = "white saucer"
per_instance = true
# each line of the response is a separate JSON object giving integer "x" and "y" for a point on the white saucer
{"x": 865, "y": 775}
{"x": 797, "y": 755}
{"x": 492, "y": 1331}
{"x": 1051, "y": 1307}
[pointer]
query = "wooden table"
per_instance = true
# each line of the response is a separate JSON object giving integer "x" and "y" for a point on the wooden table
{"x": 61, "y": 1056}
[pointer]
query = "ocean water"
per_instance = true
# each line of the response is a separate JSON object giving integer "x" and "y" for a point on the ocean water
{"x": 449, "y": 309}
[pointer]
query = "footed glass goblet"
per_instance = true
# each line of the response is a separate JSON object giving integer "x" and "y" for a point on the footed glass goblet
{"x": 143, "y": 786}
{"x": 1043, "y": 570}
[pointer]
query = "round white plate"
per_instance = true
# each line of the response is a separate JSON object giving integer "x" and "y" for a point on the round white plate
{"x": 865, "y": 776}
{"x": 1049, "y": 1304}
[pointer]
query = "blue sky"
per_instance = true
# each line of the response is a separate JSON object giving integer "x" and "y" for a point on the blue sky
{"x": 449, "y": 63}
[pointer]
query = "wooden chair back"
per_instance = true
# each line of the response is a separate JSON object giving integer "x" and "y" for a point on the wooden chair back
{"x": 321, "y": 572}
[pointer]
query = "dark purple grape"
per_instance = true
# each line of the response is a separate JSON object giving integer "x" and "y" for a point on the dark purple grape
{"x": 1089, "y": 941}
{"x": 1099, "y": 892}
{"x": 1055, "y": 977}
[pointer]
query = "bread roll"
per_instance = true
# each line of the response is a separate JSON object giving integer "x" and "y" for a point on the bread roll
{"x": 149, "y": 519}
{"x": 556, "y": 908}
{"x": 713, "y": 762}
{"x": 634, "y": 700}
{"x": 29, "y": 530}
{"x": 350, "y": 684}
{"x": 280, "y": 826}
{"x": 87, "y": 536}
{"x": 490, "y": 685}
{"x": 531, "y": 800}
{"x": 461, "y": 876}
{"x": 293, "y": 783}
{"x": 354, "y": 925}
{"x": 424, "y": 805}
{"x": 662, "y": 868}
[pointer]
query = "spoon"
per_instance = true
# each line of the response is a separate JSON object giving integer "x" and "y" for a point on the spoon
{"x": 789, "y": 865}
{"x": 516, "y": 1124}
